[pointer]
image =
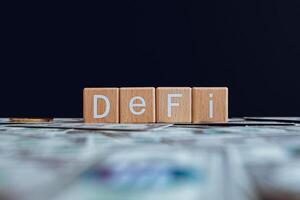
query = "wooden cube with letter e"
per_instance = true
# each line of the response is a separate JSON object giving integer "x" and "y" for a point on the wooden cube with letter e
{"x": 101, "y": 105}
{"x": 137, "y": 105}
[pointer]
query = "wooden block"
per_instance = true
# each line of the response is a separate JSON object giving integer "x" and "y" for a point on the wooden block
{"x": 210, "y": 105}
{"x": 101, "y": 105}
{"x": 137, "y": 105}
{"x": 174, "y": 104}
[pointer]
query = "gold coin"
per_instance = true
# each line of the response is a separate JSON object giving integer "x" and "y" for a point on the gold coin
{"x": 30, "y": 120}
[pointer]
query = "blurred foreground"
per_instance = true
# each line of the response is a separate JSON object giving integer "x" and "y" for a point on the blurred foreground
{"x": 68, "y": 160}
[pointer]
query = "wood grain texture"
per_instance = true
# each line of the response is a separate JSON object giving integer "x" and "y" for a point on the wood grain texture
{"x": 88, "y": 105}
{"x": 133, "y": 109}
{"x": 181, "y": 113}
{"x": 210, "y": 104}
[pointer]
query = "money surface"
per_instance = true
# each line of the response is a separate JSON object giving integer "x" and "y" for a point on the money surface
{"x": 67, "y": 159}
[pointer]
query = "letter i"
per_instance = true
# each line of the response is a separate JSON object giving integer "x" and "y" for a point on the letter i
{"x": 211, "y": 106}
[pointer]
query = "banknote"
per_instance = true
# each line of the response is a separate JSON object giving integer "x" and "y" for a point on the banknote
{"x": 274, "y": 119}
{"x": 37, "y": 163}
{"x": 150, "y": 172}
{"x": 98, "y": 126}
{"x": 41, "y": 161}
{"x": 238, "y": 123}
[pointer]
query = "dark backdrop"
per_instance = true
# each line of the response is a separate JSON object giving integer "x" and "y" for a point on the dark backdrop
{"x": 50, "y": 52}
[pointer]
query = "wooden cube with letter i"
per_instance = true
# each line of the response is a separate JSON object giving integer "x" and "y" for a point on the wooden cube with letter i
{"x": 210, "y": 104}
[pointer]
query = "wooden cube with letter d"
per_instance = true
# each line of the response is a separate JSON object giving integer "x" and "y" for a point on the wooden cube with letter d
{"x": 101, "y": 105}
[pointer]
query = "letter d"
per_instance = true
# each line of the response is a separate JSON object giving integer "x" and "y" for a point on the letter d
{"x": 95, "y": 109}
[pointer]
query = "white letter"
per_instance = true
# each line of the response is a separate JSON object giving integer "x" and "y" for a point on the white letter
{"x": 132, "y": 105}
{"x": 211, "y": 106}
{"x": 107, "y": 108}
{"x": 170, "y": 104}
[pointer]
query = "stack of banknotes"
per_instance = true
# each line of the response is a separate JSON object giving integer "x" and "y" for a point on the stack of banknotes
{"x": 65, "y": 159}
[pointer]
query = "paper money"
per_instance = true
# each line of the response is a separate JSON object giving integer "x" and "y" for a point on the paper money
{"x": 99, "y": 126}
{"x": 68, "y": 159}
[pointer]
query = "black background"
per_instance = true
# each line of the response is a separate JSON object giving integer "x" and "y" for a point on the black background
{"x": 50, "y": 52}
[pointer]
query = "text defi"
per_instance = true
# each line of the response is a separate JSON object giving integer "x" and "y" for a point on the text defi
{"x": 149, "y": 105}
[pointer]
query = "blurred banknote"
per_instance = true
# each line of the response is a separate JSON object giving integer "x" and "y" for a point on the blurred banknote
{"x": 98, "y": 126}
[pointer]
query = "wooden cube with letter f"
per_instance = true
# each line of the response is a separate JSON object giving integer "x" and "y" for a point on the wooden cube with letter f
{"x": 174, "y": 104}
{"x": 101, "y": 105}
